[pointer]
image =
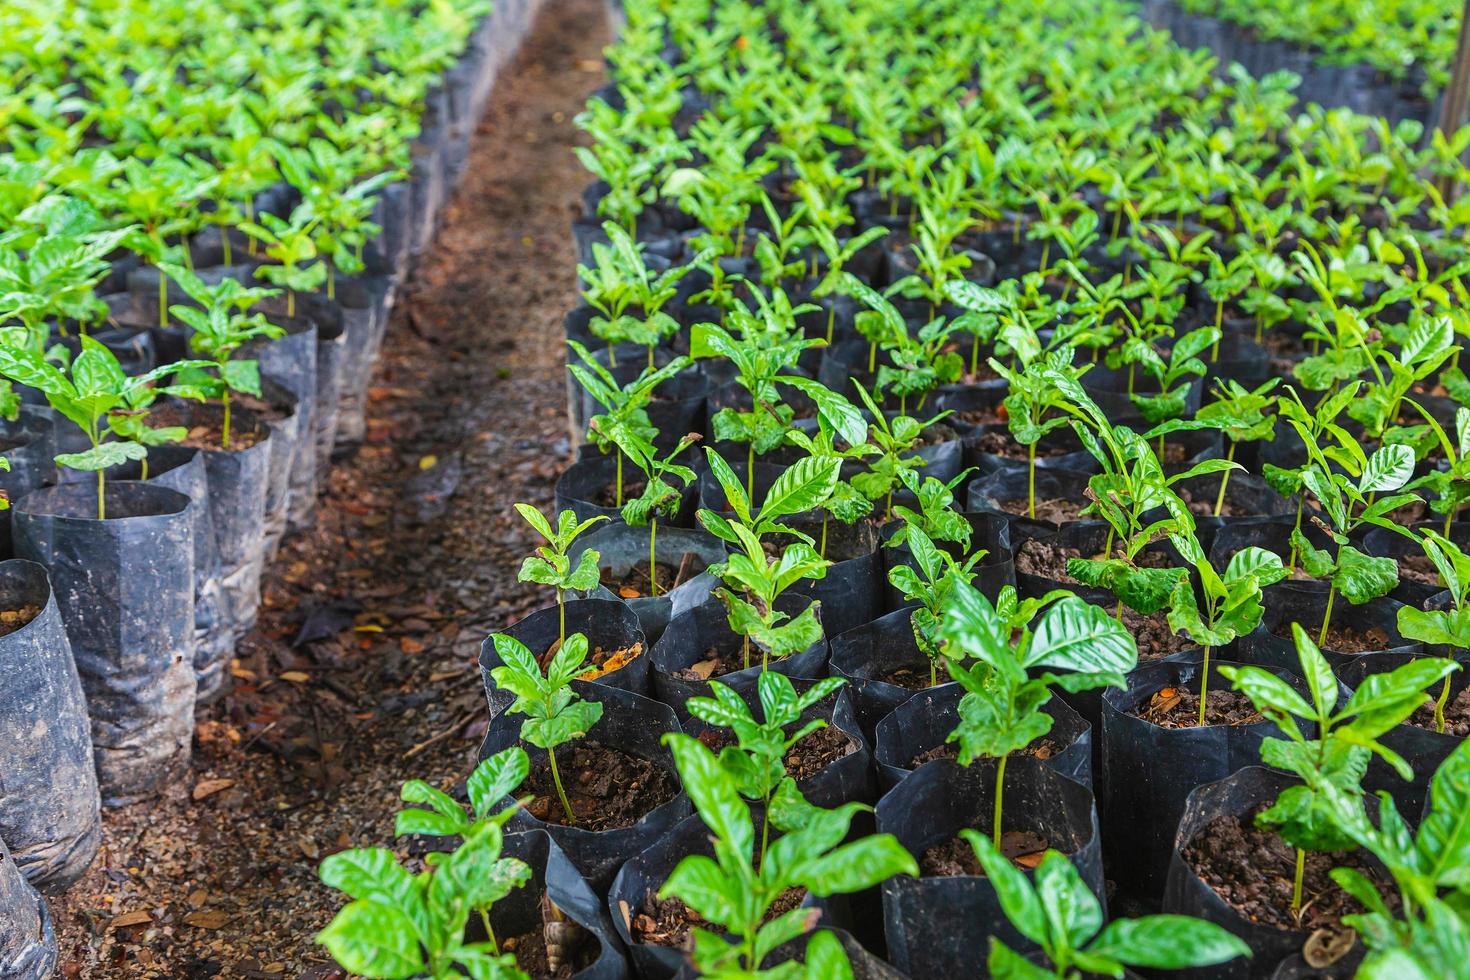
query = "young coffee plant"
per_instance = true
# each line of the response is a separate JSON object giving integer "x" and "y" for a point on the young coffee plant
{"x": 1061, "y": 915}
{"x": 555, "y": 713}
{"x": 929, "y": 582}
{"x": 221, "y": 325}
{"x": 757, "y": 760}
{"x": 552, "y": 564}
{"x": 934, "y": 512}
{"x": 94, "y": 393}
{"x": 1231, "y": 605}
{"x": 1242, "y": 414}
{"x": 753, "y": 581}
{"x": 399, "y": 924}
{"x": 1426, "y": 935}
{"x": 660, "y": 494}
{"x": 896, "y": 440}
{"x": 1345, "y": 740}
{"x": 1349, "y": 503}
{"x": 1001, "y": 711}
{"x": 1035, "y": 406}
{"x": 1442, "y": 627}
{"x": 734, "y": 891}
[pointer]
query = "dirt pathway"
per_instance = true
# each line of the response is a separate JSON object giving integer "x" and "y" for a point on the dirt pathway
{"x": 363, "y": 671}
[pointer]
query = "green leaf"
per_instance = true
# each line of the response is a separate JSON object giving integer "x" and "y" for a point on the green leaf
{"x": 713, "y": 793}
{"x": 1070, "y": 906}
{"x": 862, "y": 864}
{"x": 801, "y": 487}
{"x": 103, "y": 456}
{"x": 1168, "y": 942}
{"x": 496, "y": 778}
{"x": 1361, "y": 578}
{"x": 826, "y": 959}
{"x": 1018, "y": 899}
{"x": 374, "y": 940}
{"x": 1443, "y": 843}
{"x": 1078, "y": 636}
{"x": 1388, "y": 469}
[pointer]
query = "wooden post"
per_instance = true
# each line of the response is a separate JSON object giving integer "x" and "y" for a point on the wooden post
{"x": 1456, "y": 96}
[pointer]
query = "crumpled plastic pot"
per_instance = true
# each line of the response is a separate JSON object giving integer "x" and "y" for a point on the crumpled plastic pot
{"x": 49, "y": 809}
{"x": 632, "y": 724}
{"x": 27, "y": 939}
{"x": 1149, "y": 770}
{"x": 875, "y": 650}
{"x": 31, "y": 464}
{"x": 925, "y": 721}
{"x": 620, "y": 547}
{"x": 607, "y": 623}
{"x": 691, "y": 635}
{"x": 125, "y": 588}
{"x": 554, "y": 875}
{"x": 1187, "y": 894}
{"x": 937, "y": 925}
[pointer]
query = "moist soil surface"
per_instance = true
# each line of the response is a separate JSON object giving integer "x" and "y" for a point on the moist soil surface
{"x": 1456, "y": 714}
{"x": 672, "y": 923}
{"x": 1418, "y": 568}
{"x": 1056, "y": 510}
{"x": 15, "y": 619}
{"x": 633, "y": 584}
{"x": 206, "y": 425}
{"x": 362, "y": 672}
{"x": 1154, "y": 637}
{"x": 913, "y": 677}
{"x": 1177, "y": 707}
{"x": 1040, "y": 750}
{"x": 1252, "y": 870}
{"x": 606, "y": 787}
{"x": 530, "y": 950}
{"x": 718, "y": 663}
{"x": 956, "y": 857}
{"x": 998, "y": 442}
{"x": 808, "y": 757}
{"x": 608, "y": 495}
{"x": 1342, "y": 639}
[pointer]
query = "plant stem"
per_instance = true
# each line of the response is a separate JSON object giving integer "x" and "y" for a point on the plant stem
{"x": 750, "y": 473}
{"x": 1219, "y": 318}
{"x": 1031, "y": 481}
{"x": 489, "y": 932}
{"x": 1443, "y": 699}
{"x": 745, "y": 650}
{"x": 975, "y": 355}
{"x": 225, "y": 442}
{"x": 101, "y": 497}
{"x": 652, "y": 553}
{"x": 1327, "y": 617}
{"x": 618, "y": 487}
{"x": 1000, "y": 785}
{"x": 825, "y": 518}
{"x": 162, "y": 300}
{"x": 1291, "y": 565}
{"x": 1204, "y": 685}
{"x": 561, "y": 793}
{"x": 831, "y": 318}
{"x": 224, "y": 242}
{"x": 290, "y": 302}
{"x": 1296, "y": 884}
{"x": 1224, "y": 479}
{"x": 561, "y": 615}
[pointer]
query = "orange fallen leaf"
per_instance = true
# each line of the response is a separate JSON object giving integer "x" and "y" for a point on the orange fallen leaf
{"x": 296, "y": 676}
{"x": 410, "y": 646}
{"x": 139, "y": 918}
{"x": 208, "y": 919}
{"x": 208, "y": 787}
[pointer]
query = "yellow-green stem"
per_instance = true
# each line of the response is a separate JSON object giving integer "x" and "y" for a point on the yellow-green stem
{"x": 1296, "y": 884}
{"x": 1204, "y": 684}
{"x": 566, "y": 807}
{"x": 1327, "y": 617}
{"x": 1031, "y": 481}
{"x": 1224, "y": 479}
{"x": 1444, "y": 697}
{"x": 652, "y": 557}
{"x": 1000, "y": 786}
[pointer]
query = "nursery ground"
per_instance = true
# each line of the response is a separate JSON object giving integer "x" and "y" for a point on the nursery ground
{"x": 363, "y": 671}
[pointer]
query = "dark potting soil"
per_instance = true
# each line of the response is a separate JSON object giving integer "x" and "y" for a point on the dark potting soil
{"x": 606, "y": 787}
{"x": 1456, "y": 714}
{"x": 1057, "y": 510}
{"x": 994, "y": 415}
{"x": 1342, "y": 639}
{"x": 912, "y": 677}
{"x": 818, "y": 750}
{"x": 1040, "y": 750}
{"x": 840, "y": 547}
{"x": 206, "y": 425}
{"x": 1154, "y": 636}
{"x": 956, "y": 857}
{"x": 14, "y": 619}
{"x": 671, "y": 923}
{"x": 1203, "y": 504}
{"x": 266, "y": 411}
{"x": 1252, "y": 870}
{"x": 815, "y": 752}
{"x": 717, "y": 664}
{"x": 1177, "y": 707}
{"x": 1418, "y": 568}
{"x": 608, "y": 495}
{"x": 999, "y": 443}
{"x": 531, "y": 954}
{"x": 634, "y": 583}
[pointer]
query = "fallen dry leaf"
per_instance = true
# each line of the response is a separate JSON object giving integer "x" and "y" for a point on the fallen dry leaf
{"x": 139, "y": 918}
{"x": 296, "y": 677}
{"x": 209, "y": 787}
{"x": 209, "y": 919}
